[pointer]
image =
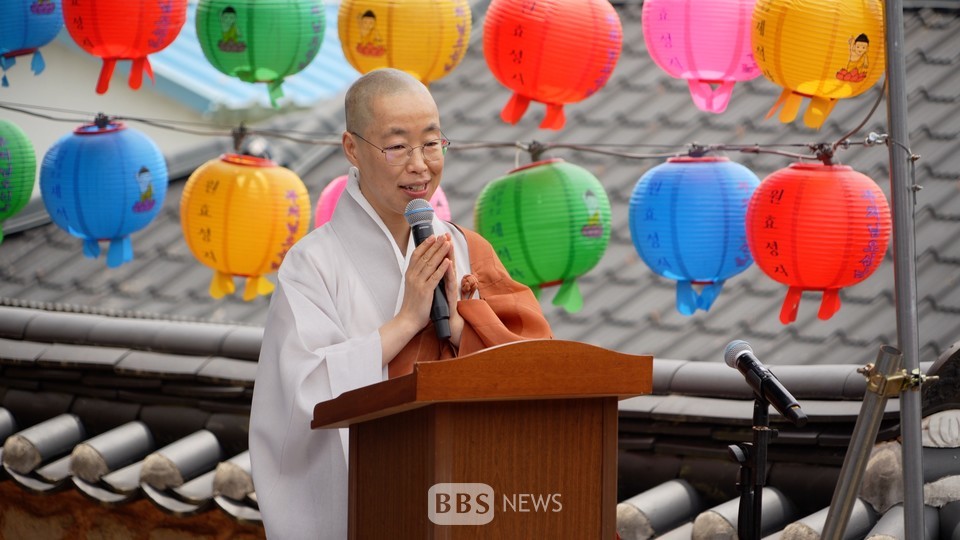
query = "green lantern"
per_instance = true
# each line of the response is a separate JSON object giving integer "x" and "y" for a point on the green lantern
{"x": 18, "y": 170}
{"x": 549, "y": 222}
{"x": 261, "y": 40}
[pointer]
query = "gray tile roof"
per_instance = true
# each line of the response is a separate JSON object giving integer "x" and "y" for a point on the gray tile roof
{"x": 627, "y": 306}
{"x": 167, "y": 419}
{"x": 145, "y": 343}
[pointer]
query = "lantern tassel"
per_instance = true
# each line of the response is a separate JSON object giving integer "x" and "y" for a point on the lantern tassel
{"x": 119, "y": 252}
{"x": 817, "y": 111}
{"x": 830, "y": 304}
{"x": 788, "y": 313}
{"x": 709, "y": 294}
{"x": 91, "y": 248}
{"x": 513, "y": 111}
{"x": 221, "y": 284}
{"x": 686, "y": 298}
{"x": 568, "y": 296}
{"x": 689, "y": 300}
{"x": 791, "y": 102}
{"x": 708, "y": 99}
{"x": 37, "y": 65}
{"x": 275, "y": 89}
{"x": 140, "y": 66}
{"x": 554, "y": 118}
{"x": 103, "y": 82}
{"x": 257, "y": 285}
{"x": 5, "y": 64}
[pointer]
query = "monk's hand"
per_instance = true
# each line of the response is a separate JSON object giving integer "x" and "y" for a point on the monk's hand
{"x": 428, "y": 264}
{"x": 452, "y": 287}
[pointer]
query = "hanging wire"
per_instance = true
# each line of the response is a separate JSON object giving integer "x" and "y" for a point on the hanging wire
{"x": 536, "y": 149}
{"x": 843, "y": 139}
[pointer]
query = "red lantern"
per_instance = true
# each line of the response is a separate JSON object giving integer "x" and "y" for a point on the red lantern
{"x": 551, "y": 51}
{"x": 123, "y": 30}
{"x": 817, "y": 227}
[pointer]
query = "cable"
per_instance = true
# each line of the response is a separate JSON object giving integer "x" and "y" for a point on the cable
{"x": 883, "y": 91}
{"x": 822, "y": 151}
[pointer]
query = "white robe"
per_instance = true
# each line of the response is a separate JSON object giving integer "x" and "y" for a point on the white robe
{"x": 337, "y": 286}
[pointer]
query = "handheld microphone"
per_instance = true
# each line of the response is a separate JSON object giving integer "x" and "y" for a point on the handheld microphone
{"x": 739, "y": 355}
{"x": 419, "y": 215}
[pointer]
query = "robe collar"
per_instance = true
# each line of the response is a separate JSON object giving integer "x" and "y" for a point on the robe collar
{"x": 368, "y": 243}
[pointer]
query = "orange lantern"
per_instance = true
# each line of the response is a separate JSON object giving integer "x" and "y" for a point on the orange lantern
{"x": 551, "y": 51}
{"x": 817, "y": 227}
{"x": 821, "y": 49}
{"x": 123, "y": 30}
{"x": 240, "y": 215}
{"x": 426, "y": 38}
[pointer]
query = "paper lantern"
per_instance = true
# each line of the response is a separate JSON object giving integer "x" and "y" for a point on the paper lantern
{"x": 821, "y": 49}
{"x": 817, "y": 227}
{"x": 123, "y": 30}
{"x": 426, "y": 38}
{"x": 706, "y": 42}
{"x": 18, "y": 170}
{"x": 103, "y": 182}
{"x": 549, "y": 222}
{"x": 240, "y": 215}
{"x": 327, "y": 202}
{"x": 25, "y": 26}
{"x": 687, "y": 223}
{"x": 552, "y": 51}
{"x": 261, "y": 41}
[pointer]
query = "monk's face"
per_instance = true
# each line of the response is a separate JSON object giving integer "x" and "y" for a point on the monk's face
{"x": 405, "y": 118}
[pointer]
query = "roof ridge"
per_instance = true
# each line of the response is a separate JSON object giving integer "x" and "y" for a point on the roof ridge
{"x": 65, "y": 307}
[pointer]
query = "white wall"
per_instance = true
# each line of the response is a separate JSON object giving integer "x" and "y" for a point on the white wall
{"x": 69, "y": 82}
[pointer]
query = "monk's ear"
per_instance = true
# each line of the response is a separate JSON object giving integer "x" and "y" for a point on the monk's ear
{"x": 349, "y": 143}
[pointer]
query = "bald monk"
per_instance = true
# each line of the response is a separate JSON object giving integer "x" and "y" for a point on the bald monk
{"x": 353, "y": 302}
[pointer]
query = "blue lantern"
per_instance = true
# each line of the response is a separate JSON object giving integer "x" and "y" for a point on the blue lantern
{"x": 25, "y": 26}
{"x": 103, "y": 182}
{"x": 687, "y": 223}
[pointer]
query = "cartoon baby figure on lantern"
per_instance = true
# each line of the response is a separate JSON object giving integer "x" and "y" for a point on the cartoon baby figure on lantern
{"x": 856, "y": 69}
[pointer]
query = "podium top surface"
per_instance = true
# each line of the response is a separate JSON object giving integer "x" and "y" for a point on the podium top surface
{"x": 534, "y": 369}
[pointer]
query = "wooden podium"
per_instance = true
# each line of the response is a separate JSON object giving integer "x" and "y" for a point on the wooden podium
{"x": 520, "y": 439}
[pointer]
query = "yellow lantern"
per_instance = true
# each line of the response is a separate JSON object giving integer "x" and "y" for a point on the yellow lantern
{"x": 240, "y": 215}
{"x": 821, "y": 49}
{"x": 426, "y": 38}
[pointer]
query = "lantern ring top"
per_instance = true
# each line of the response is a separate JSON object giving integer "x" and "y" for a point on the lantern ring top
{"x": 248, "y": 161}
{"x": 700, "y": 159}
{"x": 536, "y": 164}
{"x": 819, "y": 167}
{"x": 95, "y": 129}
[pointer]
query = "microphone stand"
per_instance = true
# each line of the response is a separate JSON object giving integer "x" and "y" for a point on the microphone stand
{"x": 752, "y": 458}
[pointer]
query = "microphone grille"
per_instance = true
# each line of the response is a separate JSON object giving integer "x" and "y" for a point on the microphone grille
{"x": 418, "y": 211}
{"x": 734, "y": 349}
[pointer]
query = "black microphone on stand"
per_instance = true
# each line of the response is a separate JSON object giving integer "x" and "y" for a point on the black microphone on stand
{"x": 419, "y": 215}
{"x": 739, "y": 355}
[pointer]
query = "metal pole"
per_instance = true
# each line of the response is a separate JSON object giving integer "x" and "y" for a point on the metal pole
{"x": 905, "y": 268}
{"x": 861, "y": 443}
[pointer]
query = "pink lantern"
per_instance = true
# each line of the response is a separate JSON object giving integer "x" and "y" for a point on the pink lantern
{"x": 706, "y": 42}
{"x": 331, "y": 194}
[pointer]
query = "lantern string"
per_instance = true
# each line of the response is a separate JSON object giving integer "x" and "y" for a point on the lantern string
{"x": 535, "y": 148}
{"x": 876, "y": 103}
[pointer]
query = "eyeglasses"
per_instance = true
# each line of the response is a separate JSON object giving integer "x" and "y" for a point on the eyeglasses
{"x": 400, "y": 154}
